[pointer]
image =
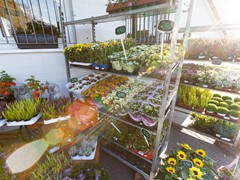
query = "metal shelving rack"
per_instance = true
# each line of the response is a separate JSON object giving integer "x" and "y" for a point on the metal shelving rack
{"x": 168, "y": 103}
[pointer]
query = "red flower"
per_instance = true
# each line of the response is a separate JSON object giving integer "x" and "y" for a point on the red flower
{"x": 8, "y": 84}
{"x": 3, "y": 84}
{"x": 42, "y": 92}
{"x": 13, "y": 83}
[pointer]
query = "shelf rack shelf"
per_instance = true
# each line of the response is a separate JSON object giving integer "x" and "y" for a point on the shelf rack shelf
{"x": 163, "y": 12}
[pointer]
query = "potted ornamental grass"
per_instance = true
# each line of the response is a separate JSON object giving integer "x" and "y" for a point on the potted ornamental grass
{"x": 37, "y": 35}
{"x": 234, "y": 114}
{"x": 23, "y": 112}
{"x": 211, "y": 108}
{"x": 222, "y": 111}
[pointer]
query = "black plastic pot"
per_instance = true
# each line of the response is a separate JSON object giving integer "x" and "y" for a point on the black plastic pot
{"x": 31, "y": 41}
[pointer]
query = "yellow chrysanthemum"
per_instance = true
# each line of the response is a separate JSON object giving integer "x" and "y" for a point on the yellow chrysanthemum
{"x": 190, "y": 178}
{"x": 201, "y": 152}
{"x": 197, "y": 172}
{"x": 186, "y": 146}
{"x": 172, "y": 161}
{"x": 170, "y": 169}
{"x": 181, "y": 155}
{"x": 198, "y": 162}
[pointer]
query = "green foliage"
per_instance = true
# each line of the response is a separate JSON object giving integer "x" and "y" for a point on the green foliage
{"x": 40, "y": 27}
{"x": 21, "y": 110}
{"x": 223, "y": 104}
{"x": 234, "y": 106}
{"x": 217, "y": 95}
{"x": 226, "y": 129}
{"x": 237, "y": 99}
{"x": 229, "y": 102}
{"x": 211, "y": 107}
{"x": 217, "y": 99}
{"x": 55, "y": 108}
{"x": 227, "y": 98}
{"x": 235, "y": 113}
{"x": 203, "y": 120}
{"x": 52, "y": 167}
{"x": 222, "y": 110}
{"x": 89, "y": 171}
{"x": 213, "y": 102}
{"x": 192, "y": 96}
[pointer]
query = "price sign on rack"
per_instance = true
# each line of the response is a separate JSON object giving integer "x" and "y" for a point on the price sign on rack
{"x": 146, "y": 135}
{"x": 121, "y": 95}
{"x": 120, "y": 30}
{"x": 187, "y": 164}
{"x": 164, "y": 26}
{"x": 74, "y": 80}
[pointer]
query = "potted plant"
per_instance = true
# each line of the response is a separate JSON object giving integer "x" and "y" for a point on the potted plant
{"x": 23, "y": 112}
{"x": 211, "y": 108}
{"x": 226, "y": 98}
{"x": 234, "y": 114}
{"x": 234, "y": 106}
{"x": 36, "y": 87}
{"x": 55, "y": 110}
{"x": 38, "y": 35}
{"x": 237, "y": 99}
{"x": 6, "y": 87}
{"x": 222, "y": 111}
{"x": 186, "y": 163}
{"x": 3, "y": 106}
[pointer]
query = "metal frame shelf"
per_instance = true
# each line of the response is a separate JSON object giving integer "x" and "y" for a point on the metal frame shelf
{"x": 168, "y": 103}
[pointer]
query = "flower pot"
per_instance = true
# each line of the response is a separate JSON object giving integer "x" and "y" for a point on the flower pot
{"x": 209, "y": 112}
{"x": 95, "y": 65}
{"x": 104, "y": 66}
{"x": 135, "y": 116}
{"x": 116, "y": 65}
{"x": 39, "y": 41}
{"x": 80, "y": 63}
{"x": 113, "y": 8}
{"x": 128, "y": 66}
{"x": 233, "y": 118}
{"x": 32, "y": 121}
{"x": 220, "y": 114}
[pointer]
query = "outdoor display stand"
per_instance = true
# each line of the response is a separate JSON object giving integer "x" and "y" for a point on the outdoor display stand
{"x": 145, "y": 164}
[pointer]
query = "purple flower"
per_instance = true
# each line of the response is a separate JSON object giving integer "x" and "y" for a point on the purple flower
{"x": 88, "y": 170}
{"x": 97, "y": 177}
{"x": 102, "y": 168}
{"x": 81, "y": 176}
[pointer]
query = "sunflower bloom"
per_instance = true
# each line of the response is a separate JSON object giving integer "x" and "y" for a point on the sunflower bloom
{"x": 170, "y": 169}
{"x": 201, "y": 152}
{"x": 198, "y": 162}
{"x": 181, "y": 155}
{"x": 172, "y": 161}
{"x": 197, "y": 172}
{"x": 186, "y": 146}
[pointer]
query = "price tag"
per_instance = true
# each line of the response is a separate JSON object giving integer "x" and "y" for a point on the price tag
{"x": 187, "y": 163}
{"x": 121, "y": 94}
{"x": 146, "y": 135}
{"x": 120, "y": 30}
{"x": 74, "y": 80}
{"x": 165, "y": 26}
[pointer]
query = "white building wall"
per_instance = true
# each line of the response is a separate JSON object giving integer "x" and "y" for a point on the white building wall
{"x": 91, "y": 8}
{"x": 45, "y": 65}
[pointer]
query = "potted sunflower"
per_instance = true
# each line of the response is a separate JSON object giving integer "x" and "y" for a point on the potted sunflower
{"x": 187, "y": 163}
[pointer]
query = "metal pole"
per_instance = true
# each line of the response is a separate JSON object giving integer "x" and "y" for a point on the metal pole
{"x": 185, "y": 41}
{"x": 31, "y": 13}
{"x": 156, "y": 32}
{"x": 93, "y": 32}
{"x": 40, "y": 12}
{"x": 11, "y": 21}
{"x": 64, "y": 41}
{"x": 50, "y": 21}
{"x": 166, "y": 89}
{"x": 64, "y": 9}
{"x": 23, "y": 24}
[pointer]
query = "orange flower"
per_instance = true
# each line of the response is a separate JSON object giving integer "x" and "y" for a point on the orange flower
{"x": 6, "y": 93}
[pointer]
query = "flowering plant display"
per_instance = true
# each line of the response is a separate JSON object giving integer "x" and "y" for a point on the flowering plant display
{"x": 105, "y": 86}
{"x": 95, "y": 52}
{"x": 223, "y": 78}
{"x": 36, "y": 86}
{"x": 187, "y": 163}
{"x": 6, "y": 84}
